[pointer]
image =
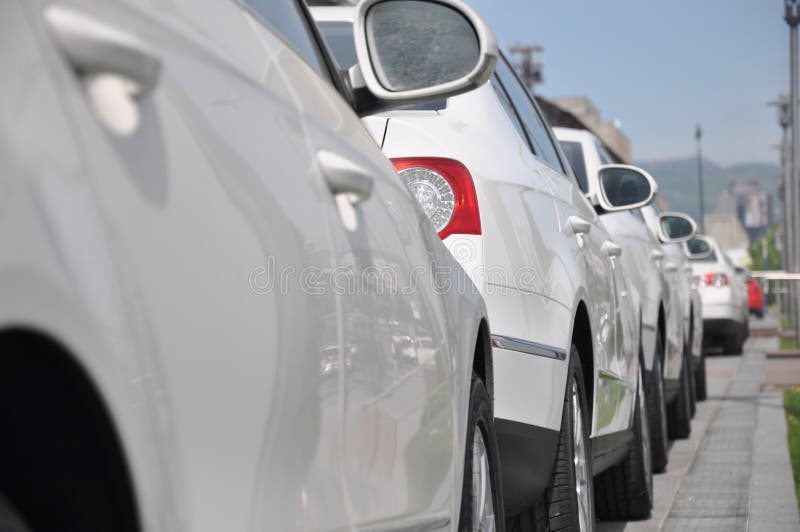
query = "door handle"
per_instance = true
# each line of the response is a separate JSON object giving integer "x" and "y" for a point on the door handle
{"x": 93, "y": 47}
{"x": 611, "y": 249}
{"x": 578, "y": 225}
{"x": 669, "y": 267}
{"x": 656, "y": 255}
{"x": 344, "y": 176}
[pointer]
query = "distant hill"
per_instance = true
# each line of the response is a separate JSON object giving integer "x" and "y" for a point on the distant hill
{"x": 677, "y": 180}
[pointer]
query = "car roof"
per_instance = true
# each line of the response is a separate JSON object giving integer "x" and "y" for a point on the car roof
{"x": 333, "y": 13}
{"x": 572, "y": 134}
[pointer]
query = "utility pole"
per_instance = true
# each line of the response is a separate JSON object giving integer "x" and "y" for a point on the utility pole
{"x": 528, "y": 69}
{"x": 788, "y": 241}
{"x": 792, "y": 17}
{"x": 698, "y": 134}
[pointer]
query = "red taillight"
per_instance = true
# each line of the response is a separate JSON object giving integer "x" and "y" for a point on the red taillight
{"x": 716, "y": 279}
{"x": 451, "y": 206}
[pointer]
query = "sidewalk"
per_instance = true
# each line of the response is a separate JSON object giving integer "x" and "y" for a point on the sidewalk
{"x": 734, "y": 472}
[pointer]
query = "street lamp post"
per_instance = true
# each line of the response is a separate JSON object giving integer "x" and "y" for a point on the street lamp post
{"x": 698, "y": 134}
{"x": 785, "y": 120}
{"x": 792, "y": 17}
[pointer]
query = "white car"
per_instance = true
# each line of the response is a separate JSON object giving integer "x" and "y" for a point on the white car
{"x": 185, "y": 195}
{"x": 680, "y": 385}
{"x": 492, "y": 179}
{"x": 724, "y": 295}
{"x": 663, "y": 324}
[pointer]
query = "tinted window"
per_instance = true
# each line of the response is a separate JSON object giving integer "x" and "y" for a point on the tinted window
{"x": 535, "y": 127}
{"x": 574, "y": 153}
{"x": 509, "y": 109}
{"x": 288, "y": 19}
{"x": 339, "y": 38}
{"x": 605, "y": 157}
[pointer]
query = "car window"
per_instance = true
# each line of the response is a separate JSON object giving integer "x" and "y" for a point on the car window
{"x": 338, "y": 36}
{"x": 290, "y": 22}
{"x": 543, "y": 147}
{"x": 509, "y": 109}
{"x": 574, "y": 154}
{"x": 605, "y": 157}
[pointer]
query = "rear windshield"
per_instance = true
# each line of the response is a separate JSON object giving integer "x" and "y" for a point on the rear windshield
{"x": 574, "y": 153}
{"x": 698, "y": 246}
{"x": 339, "y": 36}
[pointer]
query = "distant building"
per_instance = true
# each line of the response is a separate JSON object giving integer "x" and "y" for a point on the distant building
{"x": 727, "y": 230}
{"x": 752, "y": 206}
{"x": 580, "y": 113}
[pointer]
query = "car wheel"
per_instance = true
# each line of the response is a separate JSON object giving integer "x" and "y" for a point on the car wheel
{"x": 657, "y": 413}
{"x": 700, "y": 379}
{"x": 570, "y": 502}
{"x": 481, "y": 495}
{"x": 679, "y": 416}
{"x": 733, "y": 343}
{"x": 692, "y": 392}
{"x": 625, "y": 491}
{"x": 10, "y": 520}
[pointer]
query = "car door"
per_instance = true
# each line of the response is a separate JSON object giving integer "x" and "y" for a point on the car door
{"x": 582, "y": 237}
{"x": 399, "y": 416}
{"x": 208, "y": 187}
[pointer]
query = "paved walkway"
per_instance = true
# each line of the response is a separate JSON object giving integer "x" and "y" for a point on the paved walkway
{"x": 734, "y": 472}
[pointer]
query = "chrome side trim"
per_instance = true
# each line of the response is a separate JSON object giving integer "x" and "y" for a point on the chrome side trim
{"x": 530, "y": 348}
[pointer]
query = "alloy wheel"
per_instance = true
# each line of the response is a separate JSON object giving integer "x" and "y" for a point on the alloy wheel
{"x": 483, "y": 519}
{"x": 580, "y": 459}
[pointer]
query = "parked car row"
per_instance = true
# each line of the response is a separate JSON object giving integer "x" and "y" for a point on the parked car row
{"x": 262, "y": 272}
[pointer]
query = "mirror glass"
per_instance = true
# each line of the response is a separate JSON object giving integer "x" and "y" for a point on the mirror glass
{"x": 676, "y": 227}
{"x": 623, "y": 186}
{"x": 699, "y": 249}
{"x": 415, "y": 44}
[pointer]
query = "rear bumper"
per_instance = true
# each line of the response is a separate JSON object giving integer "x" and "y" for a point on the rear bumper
{"x": 721, "y": 312}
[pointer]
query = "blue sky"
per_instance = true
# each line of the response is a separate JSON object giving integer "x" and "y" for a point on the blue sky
{"x": 661, "y": 67}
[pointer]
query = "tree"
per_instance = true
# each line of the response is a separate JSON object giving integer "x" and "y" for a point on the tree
{"x": 773, "y": 253}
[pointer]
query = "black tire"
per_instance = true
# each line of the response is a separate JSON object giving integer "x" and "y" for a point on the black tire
{"x": 10, "y": 520}
{"x": 700, "y": 379}
{"x": 657, "y": 412}
{"x": 692, "y": 385}
{"x": 679, "y": 417}
{"x": 734, "y": 343}
{"x": 625, "y": 491}
{"x": 481, "y": 419}
{"x": 563, "y": 509}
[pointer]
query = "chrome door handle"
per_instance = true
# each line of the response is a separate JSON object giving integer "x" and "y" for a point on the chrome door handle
{"x": 93, "y": 47}
{"x": 656, "y": 255}
{"x": 611, "y": 249}
{"x": 344, "y": 176}
{"x": 578, "y": 225}
{"x": 671, "y": 267}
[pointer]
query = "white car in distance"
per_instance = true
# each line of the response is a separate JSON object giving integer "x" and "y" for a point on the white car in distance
{"x": 180, "y": 183}
{"x": 662, "y": 312}
{"x": 723, "y": 292}
{"x": 568, "y": 394}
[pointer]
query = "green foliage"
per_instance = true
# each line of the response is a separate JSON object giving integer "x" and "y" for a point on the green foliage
{"x": 773, "y": 253}
{"x": 791, "y": 405}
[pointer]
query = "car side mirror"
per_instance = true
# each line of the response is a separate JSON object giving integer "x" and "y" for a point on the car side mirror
{"x": 416, "y": 51}
{"x": 622, "y": 187}
{"x": 676, "y": 227}
{"x": 698, "y": 248}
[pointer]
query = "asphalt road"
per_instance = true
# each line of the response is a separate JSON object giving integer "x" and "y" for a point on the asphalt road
{"x": 733, "y": 473}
